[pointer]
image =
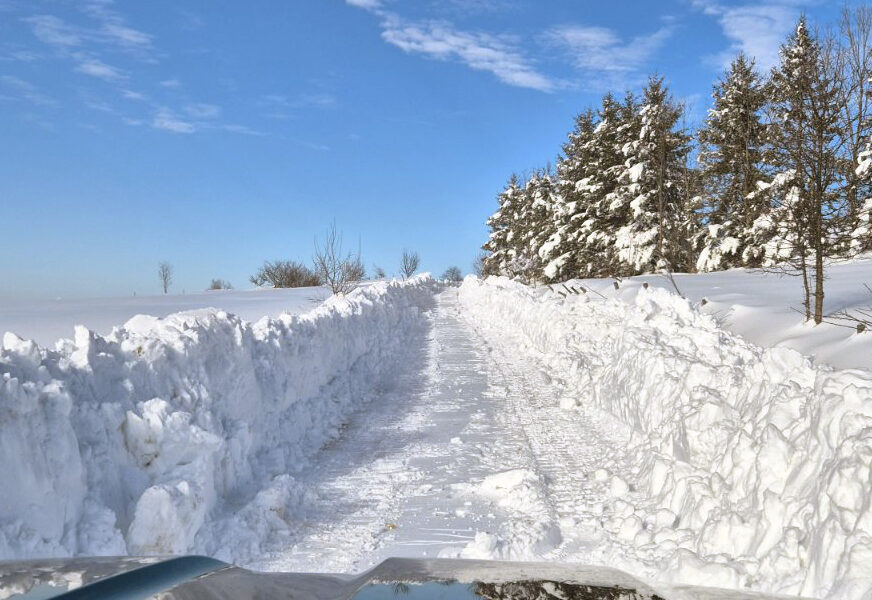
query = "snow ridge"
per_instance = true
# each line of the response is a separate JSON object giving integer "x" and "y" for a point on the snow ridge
{"x": 145, "y": 440}
{"x": 764, "y": 457}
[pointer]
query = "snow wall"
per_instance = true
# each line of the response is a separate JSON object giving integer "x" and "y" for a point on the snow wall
{"x": 139, "y": 442}
{"x": 763, "y": 457}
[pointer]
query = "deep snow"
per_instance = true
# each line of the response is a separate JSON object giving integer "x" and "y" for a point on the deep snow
{"x": 491, "y": 421}
{"x": 765, "y": 308}
{"x": 47, "y": 320}
{"x": 181, "y": 433}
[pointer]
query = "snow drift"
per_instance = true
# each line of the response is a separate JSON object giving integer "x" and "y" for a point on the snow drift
{"x": 180, "y": 434}
{"x": 762, "y": 457}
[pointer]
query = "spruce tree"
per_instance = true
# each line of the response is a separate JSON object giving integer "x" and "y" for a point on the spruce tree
{"x": 564, "y": 254}
{"x": 502, "y": 225}
{"x": 732, "y": 144}
{"x": 656, "y": 236}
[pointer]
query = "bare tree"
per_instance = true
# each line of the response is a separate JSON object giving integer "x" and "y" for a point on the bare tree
{"x": 285, "y": 274}
{"x": 379, "y": 272}
{"x": 341, "y": 272}
{"x": 409, "y": 263}
{"x": 478, "y": 264}
{"x": 452, "y": 274}
{"x": 165, "y": 274}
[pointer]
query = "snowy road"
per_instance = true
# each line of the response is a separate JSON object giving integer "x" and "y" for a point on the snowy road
{"x": 476, "y": 459}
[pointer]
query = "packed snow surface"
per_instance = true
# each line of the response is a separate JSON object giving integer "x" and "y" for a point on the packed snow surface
{"x": 47, "y": 320}
{"x": 494, "y": 420}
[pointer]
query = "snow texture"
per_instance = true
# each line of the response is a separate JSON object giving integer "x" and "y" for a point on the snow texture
{"x": 758, "y": 459}
{"x": 182, "y": 434}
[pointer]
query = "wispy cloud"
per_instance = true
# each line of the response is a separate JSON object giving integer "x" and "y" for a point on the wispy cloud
{"x": 171, "y": 83}
{"x": 441, "y": 40}
{"x": 602, "y": 55}
{"x": 166, "y": 120}
{"x": 16, "y": 88}
{"x": 53, "y": 31}
{"x": 203, "y": 111}
{"x": 479, "y": 51}
{"x": 97, "y": 68}
{"x": 756, "y": 29}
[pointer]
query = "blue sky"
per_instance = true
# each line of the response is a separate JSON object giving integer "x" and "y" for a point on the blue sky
{"x": 216, "y": 133}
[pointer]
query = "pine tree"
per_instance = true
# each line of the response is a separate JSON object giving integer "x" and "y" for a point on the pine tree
{"x": 651, "y": 185}
{"x": 731, "y": 156}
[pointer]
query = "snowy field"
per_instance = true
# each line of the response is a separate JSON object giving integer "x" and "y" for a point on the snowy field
{"x": 494, "y": 420}
{"x": 46, "y": 321}
{"x": 766, "y": 308}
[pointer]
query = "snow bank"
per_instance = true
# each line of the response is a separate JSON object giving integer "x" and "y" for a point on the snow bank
{"x": 180, "y": 434}
{"x": 762, "y": 457}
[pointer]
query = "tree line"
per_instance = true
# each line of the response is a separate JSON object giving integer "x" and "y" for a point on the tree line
{"x": 778, "y": 177}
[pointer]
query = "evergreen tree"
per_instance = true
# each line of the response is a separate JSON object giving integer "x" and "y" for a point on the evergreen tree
{"x": 731, "y": 156}
{"x": 502, "y": 225}
{"x": 656, "y": 235}
{"x": 564, "y": 255}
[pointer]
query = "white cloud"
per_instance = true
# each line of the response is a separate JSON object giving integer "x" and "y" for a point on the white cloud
{"x": 97, "y": 68}
{"x": 365, "y": 4}
{"x": 131, "y": 95}
{"x": 166, "y": 120}
{"x": 758, "y": 30}
{"x": 203, "y": 111}
{"x": 24, "y": 90}
{"x": 602, "y": 55}
{"x": 171, "y": 83}
{"x": 53, "y": 31}
{"x": 479, "y": 51}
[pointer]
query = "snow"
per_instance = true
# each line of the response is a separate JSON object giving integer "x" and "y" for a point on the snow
{"x": 45, "y": 321}
{"x": 765, "y": 308}
{"x": 763, "y": 457}
{"x": 626, "y": 427}
{"x": 178, "y": 433}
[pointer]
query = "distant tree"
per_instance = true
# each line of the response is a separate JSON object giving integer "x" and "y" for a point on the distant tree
{"x": 285, "y": 274}
{"x": 220, "y": 284}
{"x": 379, "y": 272}
{"x": 341, "y": 271}
{"x": 409, "y": 263}
{"x": 452, "y": 274}
{"x": 165, "y": 274}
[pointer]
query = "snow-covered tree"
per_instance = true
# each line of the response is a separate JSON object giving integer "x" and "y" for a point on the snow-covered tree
{"x": 502, "y": 226}
{"x": 657, "y": 234}
{"x": 732, "y": 145}
{"x": 564, "y": 255}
